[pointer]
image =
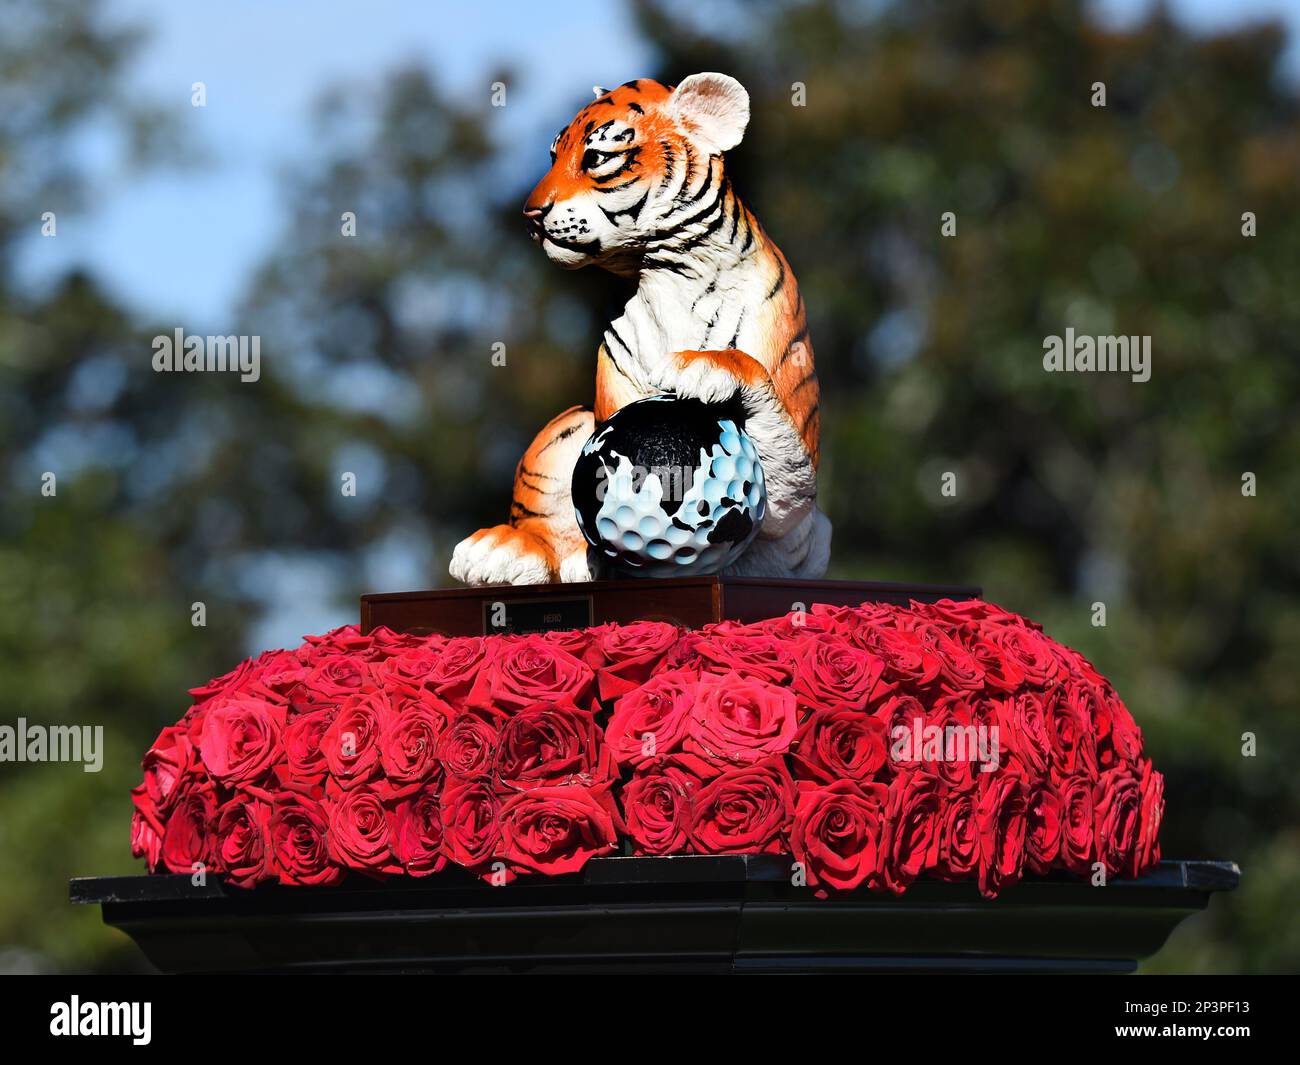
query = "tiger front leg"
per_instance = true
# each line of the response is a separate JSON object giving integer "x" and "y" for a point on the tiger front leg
{"x": 542, "y": 542}
{"x": 788, "y": 468}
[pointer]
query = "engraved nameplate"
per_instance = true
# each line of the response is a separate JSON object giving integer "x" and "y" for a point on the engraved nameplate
{"x": 536, "y": 615}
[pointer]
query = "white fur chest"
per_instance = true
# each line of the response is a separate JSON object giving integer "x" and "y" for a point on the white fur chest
{"x": 664, "y": 317}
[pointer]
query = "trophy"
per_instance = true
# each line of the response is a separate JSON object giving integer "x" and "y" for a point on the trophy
{"x": 687, "y": 492}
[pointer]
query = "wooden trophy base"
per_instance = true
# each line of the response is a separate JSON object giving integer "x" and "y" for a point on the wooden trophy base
{"x": 691, "y": 602}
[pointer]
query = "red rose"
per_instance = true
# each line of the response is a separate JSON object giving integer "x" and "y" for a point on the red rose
{"x": 652, "y": 721}
{"x": 908, "y": 663}
{"x": 760, "y": 656}
{"x": 146, "y": 841}
{"x": 276, "y": 674}
{"x": 1001, "y": 674}
{"x": 412, "y": 666}
{"x": 304, "y": 759}
{"x": 549, "y": 745}
{"x": 731, "y": 627}
{"x": 959, "y": 670}
{"x": 299, "y": 830}
{"x": 471, "y": 827}
{"x": 1153, "y": 812}
{"x": 840, "y": 745}
{"x": 337, "y": 676}
{"x": 226, "y": 684}
{"x": 556, "y": 830}
{"x": 657, "y": 810}
{"x": 955, "y": 746}
{"x": 408, "y": 748}
{"x": 1032, "y": 653}
{"x": 417, "y": 831}
{"x": 745, "y": 810}
{"x": 1080, "y": 666}
{"x": 193, "y": 723}
{"x": 386, "y": 644}
{"x": 360, "y": 836}
{"x": 351, "y": 743}
{"x": 469, "y": 746}
{"x": 529, "y": 670}
{"x": 581, "y": 643}
{"x": 1118, "y": 737}
{"x": 841, "y": 834}
{"x": 793, "y": 625}
{"x": 166, "y": 764}
{"x": 1002, "y": 813}
{"x": 345, "y": 640}
{"x": 902, "y": 716}
{"x": 1078, "y": 824}
{"x": 1043, "y": 830}
{"x": 966, "y": 616}
{"x": 876, "y": 615}
{"x": 240, "y": 741}
{"x": 1023, "y": 733}
{"x": 187, "y": 839}
{"x": 243, "y": 840}
{"x": 1117, "y": 803}
{"x": 457, "y": 668}
{"x": 631, "y": 653}
{"x": 1069, "y": 730}
{"x": 914, "y": 805}
{"x": 741, "y": 719}
{"x": 955, "y": 854}
{"x": 683, "y": 655}
{"x": 831, "y": 674}
{"x": 843, "y": 619}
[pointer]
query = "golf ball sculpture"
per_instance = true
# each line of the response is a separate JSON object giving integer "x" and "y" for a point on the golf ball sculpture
{"x": 669, "y": 486}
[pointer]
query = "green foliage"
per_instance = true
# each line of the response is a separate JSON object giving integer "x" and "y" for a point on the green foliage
{"x": 1072, "y": 489}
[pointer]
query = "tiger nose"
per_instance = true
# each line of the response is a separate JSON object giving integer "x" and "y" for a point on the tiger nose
{"x": 534, "y": 219}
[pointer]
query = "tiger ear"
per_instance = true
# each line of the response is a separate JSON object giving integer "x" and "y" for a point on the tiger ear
{"x": 599, "y": 91}
{"x": 712, "y": 108}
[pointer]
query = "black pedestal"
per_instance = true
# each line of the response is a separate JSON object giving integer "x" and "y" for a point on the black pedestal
{"x": 687, "y": 914}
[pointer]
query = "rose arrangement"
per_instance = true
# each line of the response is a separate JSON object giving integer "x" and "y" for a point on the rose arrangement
{"x": 876, "y": 744}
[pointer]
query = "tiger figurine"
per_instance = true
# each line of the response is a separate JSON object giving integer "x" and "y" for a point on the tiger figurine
{"x": 637, "y": 185}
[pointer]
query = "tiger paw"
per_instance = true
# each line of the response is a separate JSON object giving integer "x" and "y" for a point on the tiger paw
{"x": 502, "y": 555}
{"x": 709, "y": 376}
{"x": 576, "y": 568}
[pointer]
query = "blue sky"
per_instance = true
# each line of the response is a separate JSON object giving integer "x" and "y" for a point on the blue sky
{"x": 178, "y": 245}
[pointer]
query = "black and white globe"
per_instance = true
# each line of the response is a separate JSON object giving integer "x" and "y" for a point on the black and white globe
{"x": 668, "y": 487}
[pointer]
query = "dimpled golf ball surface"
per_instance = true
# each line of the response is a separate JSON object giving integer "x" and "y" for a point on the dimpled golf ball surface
{"x": 669, "y": 487}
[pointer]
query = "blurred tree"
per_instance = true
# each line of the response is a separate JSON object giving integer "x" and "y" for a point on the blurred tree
{"x": 94, "y": 592}
{"x": 1072, "y": 489}
{"x": 377, "y": 359}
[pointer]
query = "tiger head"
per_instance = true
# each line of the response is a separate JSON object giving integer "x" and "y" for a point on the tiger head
{"x": 636, "y": 164}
